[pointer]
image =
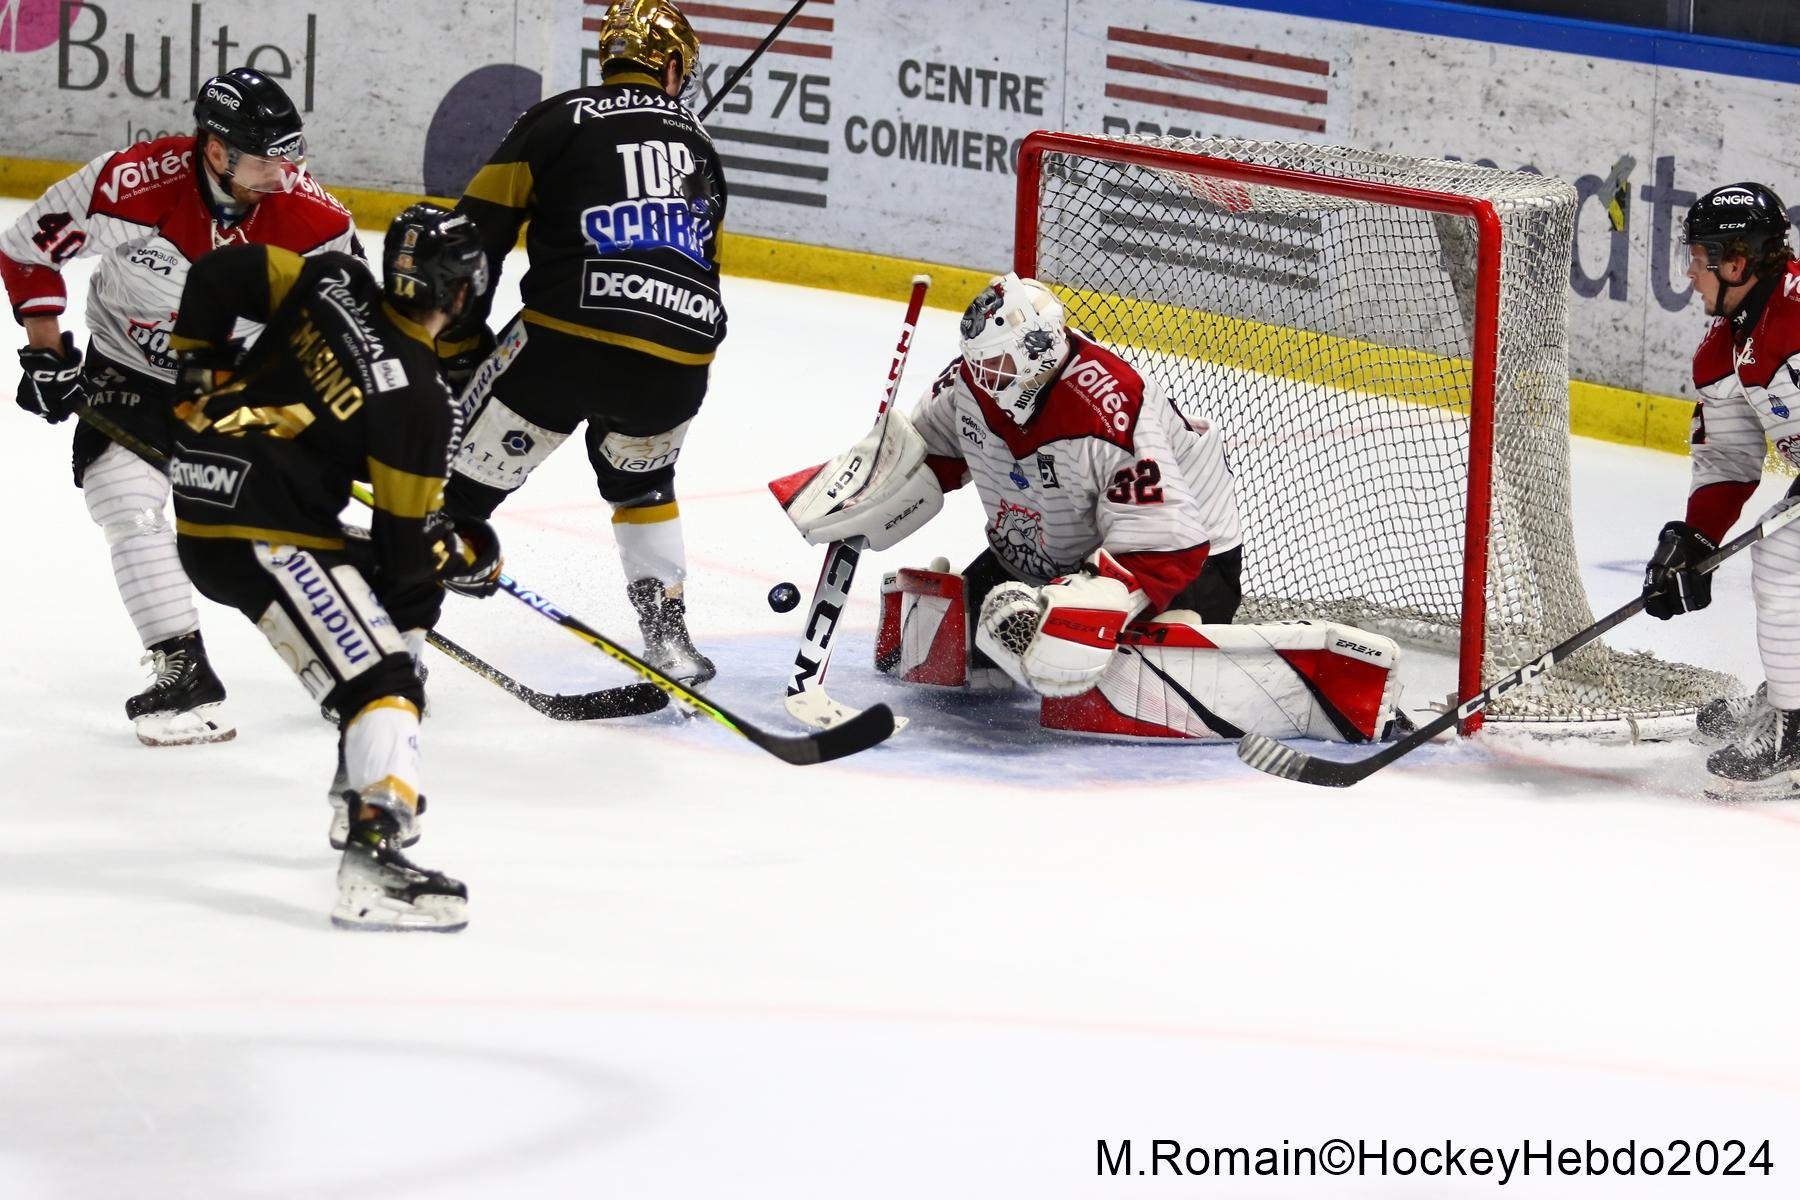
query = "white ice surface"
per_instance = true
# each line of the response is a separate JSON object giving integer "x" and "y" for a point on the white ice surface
{"x": 945, "y": 967}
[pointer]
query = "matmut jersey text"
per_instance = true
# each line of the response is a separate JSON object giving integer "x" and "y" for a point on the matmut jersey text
{"x": 1106, "y": 461}
{"x": 1747, "y": 373}
{"x": 626, "y": 197}
{"x": 142, "y": 208}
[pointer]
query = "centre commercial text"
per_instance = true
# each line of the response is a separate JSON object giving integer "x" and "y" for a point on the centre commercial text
{"x": 942, "y": 145}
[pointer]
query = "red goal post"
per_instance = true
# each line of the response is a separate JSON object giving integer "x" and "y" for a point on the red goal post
{"x": 1383, "y": 341}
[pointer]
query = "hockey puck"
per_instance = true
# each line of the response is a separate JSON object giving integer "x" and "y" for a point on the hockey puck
{"x": 783, "y": 597}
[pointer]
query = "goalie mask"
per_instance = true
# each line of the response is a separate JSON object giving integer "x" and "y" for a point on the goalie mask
{"x": 1013, "y": 340}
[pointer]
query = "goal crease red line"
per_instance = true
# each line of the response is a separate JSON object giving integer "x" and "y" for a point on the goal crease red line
{"x": 1242, "y": 112}
{"x": 1241, "y": 83}
{"x": 1169, "y": 41}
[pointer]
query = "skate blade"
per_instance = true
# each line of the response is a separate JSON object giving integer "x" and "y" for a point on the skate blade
{"x": 372, "y": 910}
{"x": 1777, "y": 787}
{"x": 195, "y": 727}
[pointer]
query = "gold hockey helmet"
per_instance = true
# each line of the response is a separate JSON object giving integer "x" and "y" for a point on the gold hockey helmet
{"x": 648, "y": 32}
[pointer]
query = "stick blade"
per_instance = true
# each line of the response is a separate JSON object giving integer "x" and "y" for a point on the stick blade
{"x": 868, "y": 728}
{"x": 815, "y": 709}
{"x": 1272, "y": 758}
{"x": 629, "y": 700}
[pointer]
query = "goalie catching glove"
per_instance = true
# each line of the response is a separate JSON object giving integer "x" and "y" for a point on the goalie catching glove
{"x": 881, "y": 489}
{"x": 1058, "y": 639}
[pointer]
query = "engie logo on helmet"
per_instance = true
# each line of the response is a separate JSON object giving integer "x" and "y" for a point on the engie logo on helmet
{"x": 208, "y": 478}
{"x": 1734, "y": 198}
{"x": 228, "y": 98}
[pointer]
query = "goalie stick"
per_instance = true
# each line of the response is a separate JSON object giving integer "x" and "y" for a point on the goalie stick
{"x": 1270, "y": 756}
{"x": 807, "y": 700}
{"x": 628, "y": 700}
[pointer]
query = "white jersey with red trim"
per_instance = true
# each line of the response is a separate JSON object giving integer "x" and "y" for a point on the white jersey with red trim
{"x": 1105, "y": 461}
{"x": 142, "y": 208}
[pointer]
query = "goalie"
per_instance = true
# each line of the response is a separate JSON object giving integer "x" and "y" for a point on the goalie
{"x": 1112, "y": 569}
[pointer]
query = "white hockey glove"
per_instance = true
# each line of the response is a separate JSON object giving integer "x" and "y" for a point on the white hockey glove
{"x": 879, "y": 489}
{"x": 1057, "y": 639}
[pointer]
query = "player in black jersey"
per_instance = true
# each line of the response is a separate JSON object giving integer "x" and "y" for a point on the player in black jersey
{"x": 343, "y": 385}
{"x": 621, "y": 317}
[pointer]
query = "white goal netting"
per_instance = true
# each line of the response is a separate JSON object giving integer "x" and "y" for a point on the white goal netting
{"x": 1333, "y": 340}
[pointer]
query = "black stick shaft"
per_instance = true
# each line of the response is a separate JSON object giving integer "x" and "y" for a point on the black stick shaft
{"x": 732, "y": 80}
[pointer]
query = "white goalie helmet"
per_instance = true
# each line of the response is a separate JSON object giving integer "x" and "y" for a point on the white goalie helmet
{"x": 1014, "y": 337}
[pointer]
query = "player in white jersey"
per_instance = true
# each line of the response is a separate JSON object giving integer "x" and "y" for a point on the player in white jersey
{"x": 150, "y": 210}
{"x": 1747, "y": 374}
{"x": 1112, "y": 569}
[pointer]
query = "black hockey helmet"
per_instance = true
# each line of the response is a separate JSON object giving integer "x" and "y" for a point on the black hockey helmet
{"x": 248, "y": 111}
{"x": 1745, "y": 219}
{"x": 428, "y": 252}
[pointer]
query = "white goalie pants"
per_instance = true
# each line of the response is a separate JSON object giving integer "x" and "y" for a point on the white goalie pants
{"x": 129, "y": 500}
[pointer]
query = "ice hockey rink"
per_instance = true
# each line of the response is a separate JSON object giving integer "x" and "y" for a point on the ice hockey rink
{"x": 946, "y": 967}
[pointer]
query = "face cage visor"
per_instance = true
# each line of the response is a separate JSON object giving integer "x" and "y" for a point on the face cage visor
{"x": 993, "y": 375}
{"x": 693, "y": 89}
{"x": 281, "y": 170}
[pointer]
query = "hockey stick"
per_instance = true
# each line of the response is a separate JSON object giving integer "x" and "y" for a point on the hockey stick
{"x": 1268, "y": 755}
{"x": 807, "y": 700}
{"x": 859, "y": 733}
{"x": 630, "y": 700}
{"x": 731, "y": 80}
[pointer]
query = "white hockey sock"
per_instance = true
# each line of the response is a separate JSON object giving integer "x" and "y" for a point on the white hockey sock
{"x": 381, "y": 756}
{"x": 650, "y": 545}
{"x": 128, "y": 499}
{"x": 1775, "y": 583}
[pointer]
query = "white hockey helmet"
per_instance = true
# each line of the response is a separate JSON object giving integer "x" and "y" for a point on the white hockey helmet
{"x": 1014, "y": 338}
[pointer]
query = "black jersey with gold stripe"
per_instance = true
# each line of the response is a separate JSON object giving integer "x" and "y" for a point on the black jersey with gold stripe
{"x": 625, "y": 197}
{"x": 340, "y": 387}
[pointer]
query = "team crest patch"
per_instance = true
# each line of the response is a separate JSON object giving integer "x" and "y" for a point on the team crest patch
{"x": 1046, "y": 465}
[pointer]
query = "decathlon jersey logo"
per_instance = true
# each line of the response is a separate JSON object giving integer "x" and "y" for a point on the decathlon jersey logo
{"x": 207, "y": 477}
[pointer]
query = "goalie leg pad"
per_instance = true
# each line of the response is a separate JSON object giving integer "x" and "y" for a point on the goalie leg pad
{"x": 1183, "y": 679}
{"x": 924, "y": 633}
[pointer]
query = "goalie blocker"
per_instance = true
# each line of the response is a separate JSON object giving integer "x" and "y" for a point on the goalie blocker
{"x": 1170, "y": 677}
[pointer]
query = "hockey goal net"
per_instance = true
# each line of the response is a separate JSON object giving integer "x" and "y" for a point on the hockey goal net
{"x": 1383, "y": 341}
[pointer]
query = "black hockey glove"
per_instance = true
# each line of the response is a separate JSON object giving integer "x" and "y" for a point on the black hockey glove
{"x": 469, "y": 559}
{"x": 50, "y": 383}
{"x": 461, "y": 351}
{"x": 1671, "y": 585}
{"x": 201, "y": 372}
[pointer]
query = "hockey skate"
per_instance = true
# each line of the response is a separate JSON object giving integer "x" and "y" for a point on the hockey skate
{"x": 342, "y": 798}
{"x": 662, "y": 617}
{"x": 1762, "y": 764}
{"x": 1723, "y": 721}
{"x": 181, "y": 707}
{"x": 379, "y": 889}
